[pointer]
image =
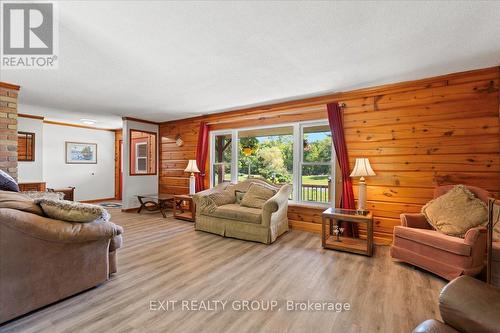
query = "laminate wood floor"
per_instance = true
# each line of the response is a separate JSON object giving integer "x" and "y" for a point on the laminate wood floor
{"x": 166, "y": 259}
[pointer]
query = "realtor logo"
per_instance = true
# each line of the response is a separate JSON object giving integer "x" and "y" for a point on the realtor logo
{"x": 28, "y": 35}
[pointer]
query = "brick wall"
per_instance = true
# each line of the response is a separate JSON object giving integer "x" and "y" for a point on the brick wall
{"x": 8, "y": 128}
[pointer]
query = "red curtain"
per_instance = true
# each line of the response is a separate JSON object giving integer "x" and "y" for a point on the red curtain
{"x": 201, "y": 156}
{"x": 337, "y": 128}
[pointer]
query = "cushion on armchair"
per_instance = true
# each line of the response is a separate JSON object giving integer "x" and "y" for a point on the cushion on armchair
{"x": 256, "y": 196}
{"x": 456, "y": 212}
{"x": 44, "y": 195}
{"x": 71, "y": 211}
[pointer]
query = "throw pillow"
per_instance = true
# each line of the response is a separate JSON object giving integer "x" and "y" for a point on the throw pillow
{"x": 71, "y": 211}
{"x": 19, "y": 201}
{"x": 456, "y": 211}
{"x": 44, "y": 195}
{"x": 231, "y": 188}
{"x": 239, "y": 195}
{"x": 256, "y": 196}
{"x": 7, "y": 183}
{"x": 222, "y": 198}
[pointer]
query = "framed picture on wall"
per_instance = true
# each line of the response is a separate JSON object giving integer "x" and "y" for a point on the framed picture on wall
{"x": 81, "y": 153}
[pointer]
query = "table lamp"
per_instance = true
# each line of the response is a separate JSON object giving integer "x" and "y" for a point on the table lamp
{"x": 362, "y": 169}
{"x": 192, "y": 168}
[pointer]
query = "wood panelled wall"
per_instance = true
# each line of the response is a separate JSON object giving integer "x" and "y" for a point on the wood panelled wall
{"x": 417, "y": 135}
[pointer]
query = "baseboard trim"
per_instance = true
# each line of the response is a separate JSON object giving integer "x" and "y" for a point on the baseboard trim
{"x": 97, "y": 200}
{"x": 305, "y": 226}
{"x": 128, "y": 210}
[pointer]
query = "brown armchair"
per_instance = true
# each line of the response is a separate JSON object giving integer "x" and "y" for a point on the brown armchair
{"x": 466, "y": 305}
{"x": 417, "y": 243}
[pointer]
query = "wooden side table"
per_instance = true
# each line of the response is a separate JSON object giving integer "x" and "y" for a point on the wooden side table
{"x": 69, "y": 192}
{"x": 184, "y": 207}
{"x": 332, "y": 217}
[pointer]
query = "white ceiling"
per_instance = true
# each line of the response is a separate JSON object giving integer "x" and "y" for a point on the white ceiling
{"x": 168, "y": 60}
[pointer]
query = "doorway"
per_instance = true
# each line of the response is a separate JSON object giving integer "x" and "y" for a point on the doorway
{"x": 118, "y": 164}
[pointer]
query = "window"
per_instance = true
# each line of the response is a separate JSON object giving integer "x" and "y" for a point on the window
{"x": 221, "y": 167}
{"x": 141, "y": 157}
{"x": 316, "y": 163}
{"x": 26, "y": 147}
{"x": 300, "y": 154}
{"x": 266, "y": 153}
{"x": 142, "y": 153}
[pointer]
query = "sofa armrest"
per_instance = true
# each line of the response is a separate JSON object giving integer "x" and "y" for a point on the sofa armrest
{"x": 55, "y": 230}
{"x": 414, "y": 221}
{"x": 434, "y": 326}
{"x": 470, "y": 305}
{"x": 472, "y": 235}
{"x": 115, "y": 243}
{"x": 277, "y": 205}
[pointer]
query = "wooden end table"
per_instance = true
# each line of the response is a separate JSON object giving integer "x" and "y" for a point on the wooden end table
{"x": 154, "y": 202}
{"x": 332, "y": 217}
{"x": 69, "y": 192}
{"x": 184, "y": 207}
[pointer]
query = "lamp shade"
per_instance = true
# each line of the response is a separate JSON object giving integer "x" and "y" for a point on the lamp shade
{"x": 192, "y": 167}
{"x": 362, "y": 168}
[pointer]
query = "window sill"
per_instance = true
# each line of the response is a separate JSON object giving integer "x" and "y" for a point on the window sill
{"x": 314, "y": 205}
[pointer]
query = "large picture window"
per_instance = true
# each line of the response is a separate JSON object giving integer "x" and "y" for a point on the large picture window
{"x": 300, "y": 154}
{"x": 266, "y": 153}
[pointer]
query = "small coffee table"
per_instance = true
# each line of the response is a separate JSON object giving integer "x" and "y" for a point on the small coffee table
{"x": 154, "y": 202}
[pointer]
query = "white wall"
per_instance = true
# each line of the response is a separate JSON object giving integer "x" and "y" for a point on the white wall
{"x": 133, "y": 185}
{"x": 32, "y": 171}
{"x": 92, "y": 181}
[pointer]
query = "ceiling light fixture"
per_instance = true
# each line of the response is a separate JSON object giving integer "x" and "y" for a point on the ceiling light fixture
{"x": 88, "y": 121}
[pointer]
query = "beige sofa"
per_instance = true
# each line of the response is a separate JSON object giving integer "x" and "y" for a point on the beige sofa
{"x": 43, "y": 260}
{"x": 233, "y": 220}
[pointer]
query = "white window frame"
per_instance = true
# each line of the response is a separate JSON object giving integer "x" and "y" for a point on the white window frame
{"x": 301, "y": 163}
{"x": 137, "y": 157}
{"x": 234, "y": 152}
{"x": 298, "y": 155}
